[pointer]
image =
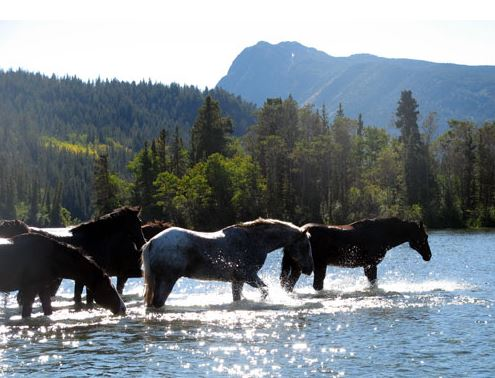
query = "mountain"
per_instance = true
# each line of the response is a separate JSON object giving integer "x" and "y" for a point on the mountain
{"x": 363, "y": 83}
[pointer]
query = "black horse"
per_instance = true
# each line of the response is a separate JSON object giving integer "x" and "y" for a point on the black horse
{"x": 114, "y": 242}
{"x": 154, "y": 227}
{"x": 32, "y": 262}
{"x": 10, "y": 228}
{"x": 360, "y": 244}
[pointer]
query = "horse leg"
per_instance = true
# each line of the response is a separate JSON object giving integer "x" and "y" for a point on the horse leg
{"x": 259, "y": 284}
{"x": 78, "y": 288}
{"x": 120, "y": 284}
{"x": 320, "y": 273}
{"x": 371, "y": 271}
{"x": 53, "y": 287}
{"x": 292, "y": 280}
{"x": 237, "y": 290}
{"x": 163, "y": 288}
{"x": 89, "y": 298}
{"x": 285, "y": 272}
{"x": 27, "y": 299}
{"x": 46, "y": 300}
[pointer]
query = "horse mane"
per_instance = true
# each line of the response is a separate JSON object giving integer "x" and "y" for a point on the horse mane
{"x": 158, "y": 223}
{"x": 377, "y": 221}
{"x": 105, "y": 222}
{"x": 264, "y": 222}
{"x": 10, "y": 228}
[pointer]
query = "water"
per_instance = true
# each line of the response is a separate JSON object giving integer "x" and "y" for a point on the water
{"x": 425, "y": 319}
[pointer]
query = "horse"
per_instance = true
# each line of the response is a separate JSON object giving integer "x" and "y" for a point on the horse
{"x": 359, "y": 244}
{"x": 10, "y": 228}
{"x": 114, "y": 242}
{"x": 153, "y": 228}
{"x": 32, "y": 262}
{"x": 233, "y": 254}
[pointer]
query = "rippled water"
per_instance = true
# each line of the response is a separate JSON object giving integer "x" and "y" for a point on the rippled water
{"x": 425, "y": 319}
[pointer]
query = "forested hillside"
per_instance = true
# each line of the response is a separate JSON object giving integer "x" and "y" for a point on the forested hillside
{"x": 297, "y": 163}
{"x": 51, "y": 130}
{"x": 72, "y": 150}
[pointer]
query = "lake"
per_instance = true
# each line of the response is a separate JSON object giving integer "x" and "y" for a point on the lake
{"x": 430, "y": 319}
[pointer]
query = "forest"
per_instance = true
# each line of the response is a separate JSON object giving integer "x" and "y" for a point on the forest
{"x": 207, "y": 159}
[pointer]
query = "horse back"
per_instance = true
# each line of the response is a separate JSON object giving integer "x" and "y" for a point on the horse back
{"x": 26, "y": 260}
{"x": 342, "y": 245}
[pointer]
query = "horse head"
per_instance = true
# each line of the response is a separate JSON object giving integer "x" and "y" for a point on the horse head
{"x": 419, "y": 241}
{"x": 106, "y": 296}
{"x": 133, "y": 241}
{"x": 134, "y": 223}
{"x": 300, "y": 252}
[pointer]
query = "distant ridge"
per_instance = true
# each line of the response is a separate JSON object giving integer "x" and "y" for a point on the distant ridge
{"x": 363, "y": 83}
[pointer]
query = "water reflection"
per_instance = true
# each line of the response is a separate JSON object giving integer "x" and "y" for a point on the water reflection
{"x": 422, "y": 319}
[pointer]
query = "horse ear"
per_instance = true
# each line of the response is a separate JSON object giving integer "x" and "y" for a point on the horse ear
{"x": 421, "y": 225}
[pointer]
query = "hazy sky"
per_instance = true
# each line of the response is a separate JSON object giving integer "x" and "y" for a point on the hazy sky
{"x": 194, "y": 42}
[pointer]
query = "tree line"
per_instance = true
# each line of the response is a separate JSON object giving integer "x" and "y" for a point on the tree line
{"x": 296, "y": 163}
{"x": 51, "y": 130}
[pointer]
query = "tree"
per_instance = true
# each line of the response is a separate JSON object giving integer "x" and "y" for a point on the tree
{"x": 55, "y": 215}
{"x": 210, "y": 131}
{"x": 415, "y": 161}
{"x": 33, "y": 213}
{"x": 104, "y": 193}
{"x": 144, "y": 192}
{"x": 486, "y": 159}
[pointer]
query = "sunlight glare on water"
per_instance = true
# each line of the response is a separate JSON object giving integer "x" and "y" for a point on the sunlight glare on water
{"x": 423, "y": 319}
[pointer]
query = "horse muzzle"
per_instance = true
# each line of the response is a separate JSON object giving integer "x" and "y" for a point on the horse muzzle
{"x": 307, "y": 270}
{"x": 121, "y": 310}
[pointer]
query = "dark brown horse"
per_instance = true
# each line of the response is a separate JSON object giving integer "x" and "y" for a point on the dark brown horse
{"x": 114, "y": 242}
{"x": 10, "y": 228}
{"x": 32, "y": 262}
{"x": 360, "y": 244}
{"x": 154, "y": 227}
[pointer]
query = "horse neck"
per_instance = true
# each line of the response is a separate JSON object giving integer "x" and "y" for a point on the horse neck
{"x": 400, "y": 233}
{"x": 270, "y": 239}
{"x": 63, "y": 239}
{"x": 73, "y": 265}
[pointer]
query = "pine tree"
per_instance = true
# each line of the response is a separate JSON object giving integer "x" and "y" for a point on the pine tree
{"x": 360, "y": 125}
{"x": 55, "y": 216}
{"x": 105, "y": 199}
{"x": 416, "y": 170}
{"x": 161, "y": 150}
{"x": 32, "y": 217}
{"x": 340, "y": 111}
{"x": 210, "y": 131}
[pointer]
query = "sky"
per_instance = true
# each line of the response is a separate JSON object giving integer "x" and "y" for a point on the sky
{"x": 194, "y": 42}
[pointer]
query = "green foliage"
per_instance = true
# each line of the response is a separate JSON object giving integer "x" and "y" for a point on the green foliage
{"x": 209, "y": 132}
{"x": 293, "y": 163}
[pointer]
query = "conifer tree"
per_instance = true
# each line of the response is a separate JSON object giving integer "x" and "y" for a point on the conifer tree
{"x": 416, "y": 170}
{"x": 104, "y": 193}
{"x": 210, "y": 131}
{"x": 32, "y": 217}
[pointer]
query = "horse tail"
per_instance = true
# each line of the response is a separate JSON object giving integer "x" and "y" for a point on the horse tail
{"x": 149, "y": 277}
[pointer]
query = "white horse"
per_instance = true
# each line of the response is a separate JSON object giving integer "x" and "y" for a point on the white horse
{"x": 233, "y": 254}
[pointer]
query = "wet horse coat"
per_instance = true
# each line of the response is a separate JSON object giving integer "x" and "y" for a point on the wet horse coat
{"x": 360, "y": 244}
{"x": 234, "y": 254}
{"x": 32, "y": 262}
{"x": 113, "y": 241}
